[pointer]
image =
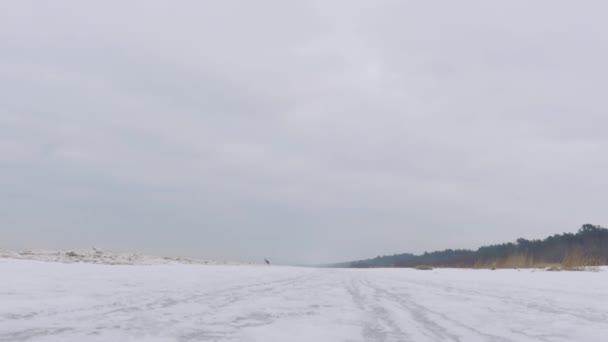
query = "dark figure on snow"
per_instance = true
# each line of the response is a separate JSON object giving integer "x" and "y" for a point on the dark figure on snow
{"x": 267, "y": 262}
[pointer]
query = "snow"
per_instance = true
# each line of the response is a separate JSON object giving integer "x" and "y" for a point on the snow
{"x": 99, "y": 256}
{"x": 52, "y": 301}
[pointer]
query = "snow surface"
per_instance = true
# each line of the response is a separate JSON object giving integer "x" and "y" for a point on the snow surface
{"x": 50, "y": 301}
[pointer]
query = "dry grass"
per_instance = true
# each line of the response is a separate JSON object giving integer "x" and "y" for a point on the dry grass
{"x": 515, "y": 261}
{"x": 575, "y": 260}
{"x": 424, "y": 268}
{"x": 578, "y": 260}
{"x": 485, "y": 265}
{"x": 545, "y": 265}
{"x": 571, "y": 262}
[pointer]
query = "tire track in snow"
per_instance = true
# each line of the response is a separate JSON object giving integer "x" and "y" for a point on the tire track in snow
{"x": 427, "y": 318}
{"x": 541, "y": 304}
{"x": 128, "y": 315}
{"x": 378, "y": 325}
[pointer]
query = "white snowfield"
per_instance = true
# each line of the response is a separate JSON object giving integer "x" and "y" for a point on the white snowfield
{"x": 50, "y": 301}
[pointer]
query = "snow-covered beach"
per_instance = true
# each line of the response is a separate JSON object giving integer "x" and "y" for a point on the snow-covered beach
{"x": 52, "y": 301}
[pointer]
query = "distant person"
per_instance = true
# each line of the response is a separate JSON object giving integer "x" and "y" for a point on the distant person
{"x": 267, "y": 262}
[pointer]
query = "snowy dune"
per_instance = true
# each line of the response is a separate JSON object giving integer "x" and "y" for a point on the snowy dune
{"x": 99, "y": 256}
{"x": 48, "y": 301}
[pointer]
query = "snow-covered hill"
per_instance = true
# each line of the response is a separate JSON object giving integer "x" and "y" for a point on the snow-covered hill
{"x": 99, "y": 256}
{"x": 61, "y": 302}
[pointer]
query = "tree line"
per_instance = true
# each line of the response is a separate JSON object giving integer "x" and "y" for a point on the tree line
{"x": 587, "y": 247}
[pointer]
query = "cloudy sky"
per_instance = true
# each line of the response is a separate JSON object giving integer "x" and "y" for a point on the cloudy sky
{"x": 300, "y": 131}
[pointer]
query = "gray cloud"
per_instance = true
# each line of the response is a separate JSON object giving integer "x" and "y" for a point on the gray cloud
{"x": 322, "y": 131}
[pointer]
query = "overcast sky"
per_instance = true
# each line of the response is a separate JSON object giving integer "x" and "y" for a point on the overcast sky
{"x": 300, "y": 131}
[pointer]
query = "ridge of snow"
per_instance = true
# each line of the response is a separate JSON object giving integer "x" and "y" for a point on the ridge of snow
{"x": 99, "y": 256}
